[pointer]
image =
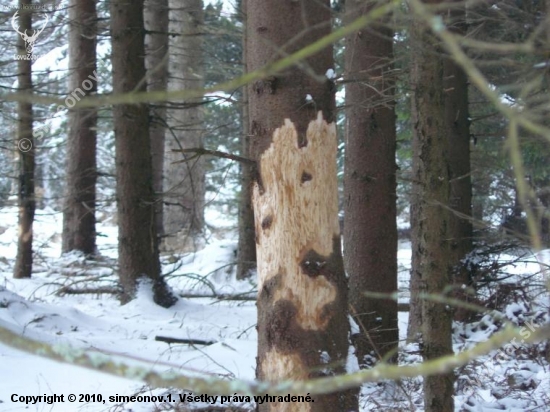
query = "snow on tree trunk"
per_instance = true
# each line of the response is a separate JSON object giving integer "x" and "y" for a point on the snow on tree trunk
{"x": 302, "y": 304}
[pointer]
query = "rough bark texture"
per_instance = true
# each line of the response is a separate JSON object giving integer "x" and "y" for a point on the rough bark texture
{"x": 25, "y": 144}
{"x": 302, "y": 324}
{"x": 137, "y": 240}
{"x": 246, "y": 252}
{"x": 156, "y": 61}
{"x": 431, "y": 258}
{"x": 458, "y": 136}
{"x": 370, "y": 229}
{"x": 80, "y": 200}
{"x": 302, "y": 304}
{"x": 547, "y": 13}
{"x": 184, "y": 184}
{"x": 273, "y": 32}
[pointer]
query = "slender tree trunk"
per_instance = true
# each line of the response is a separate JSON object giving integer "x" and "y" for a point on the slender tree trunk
{"x": 370, "y": 229}
{"x": 156, "y": 61}
{"x": 430, "y": 217}
{"x": 547, "y": 14}
{"x": 246, "y": 252}
{"x": 25, "y": 144}
{"x": 80, "y": 201}
{"x": 137, "y": 240}
{"x": 303, "y": 329}
{"x": 458, "y": 136}
{"x": 185, "y": 182}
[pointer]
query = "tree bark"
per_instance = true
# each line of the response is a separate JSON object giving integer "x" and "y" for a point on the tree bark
{"x": 25, "y": 144}
{"x": 302, "y": 304}
{"x": 458, "y": 137}
{"x": 184, "y": 184}
{"x": 370, "y": 229}
{"x": 79, "y": 231}
{"x": 137, "y": 240}
{"x": 246, "y": 251}
{"x": 430, "y": 217}
{"x": 156, "y": 61}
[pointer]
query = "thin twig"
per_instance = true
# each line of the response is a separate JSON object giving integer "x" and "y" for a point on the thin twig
{"x": 199, "y": 151}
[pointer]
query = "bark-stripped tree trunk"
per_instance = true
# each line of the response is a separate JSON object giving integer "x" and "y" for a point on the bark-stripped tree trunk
{"x": 246, "y": 251}
{"x": 458, "y": 136}
{"x": 302, "y": 304}
{"x": 370, "y": 229}
{"x": 184, "y": 184}
{"x": 302, "y": 325}
{"x": 430, "y": 217}
{"x": 137, "y": 240}
{"x": 25, "y": 144}
{"x": 156, "y": 61}
{"x": 79, "y": 231}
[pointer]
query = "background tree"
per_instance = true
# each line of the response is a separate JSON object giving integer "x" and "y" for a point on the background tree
{"x": 156, "y": 61}
{"x": 79, "y": 231}
{"x": 302, "y": 301}
{"x": 184, "y": 185}
{"x": 370, "y": 228}
{"x": 26, "y": 145}
{"x": 458, "y": 136}
{"x": 138, "y": 253}
{"x": 431, "y": 257}
{"x": 246, "y": 249}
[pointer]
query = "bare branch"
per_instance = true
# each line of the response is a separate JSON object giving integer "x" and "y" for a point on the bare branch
{"x": 199, "y": 151}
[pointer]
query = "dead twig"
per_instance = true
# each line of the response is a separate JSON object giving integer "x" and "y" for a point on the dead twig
{"x": 199, "y": 151}
{"x": 168, "y": 339}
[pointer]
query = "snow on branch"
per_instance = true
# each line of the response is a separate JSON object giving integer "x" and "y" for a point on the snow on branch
{"x": 101, "y": 362}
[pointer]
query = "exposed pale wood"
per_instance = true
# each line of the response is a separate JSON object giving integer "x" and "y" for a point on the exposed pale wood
{"x": 293, "y": 217}
{"x": 300, "y": 269}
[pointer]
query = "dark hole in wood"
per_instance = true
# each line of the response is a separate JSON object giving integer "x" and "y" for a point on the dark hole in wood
{"x": 306, "y": 177}
{"x": 266, "y": 223}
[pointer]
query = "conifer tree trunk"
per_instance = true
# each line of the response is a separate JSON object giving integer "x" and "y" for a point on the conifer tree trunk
{"x": 430, "y": 217}
{"x": 137, "y": 240}
{"x": 246, "y": 252}
{"x": 303, "y": 328}
{"x": 25, "y": 144}
{"x": 458, "y": 136}
{"x": 156, "y": 61}
{"x": 80, "y": 201}
{"x": 184, "y": 185}
{"x": 370, "y": 228}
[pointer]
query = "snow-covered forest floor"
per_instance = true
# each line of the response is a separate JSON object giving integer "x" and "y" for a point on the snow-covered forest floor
{"x": 50, "y": 308}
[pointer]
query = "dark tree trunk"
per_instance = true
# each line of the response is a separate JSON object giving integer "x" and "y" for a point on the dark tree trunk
{"x": 25, "y": 144}
{"x": 246, "y": 252}
{"x": 430, "y": 217}
{"x": 156, "y": 61}
{"x": 137, "y": 240}
{"x": 370, "y": 229}
{"x": 458, "y": 136}
{"x": 302, "y": 305}
{"x": 79, "y": 231}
